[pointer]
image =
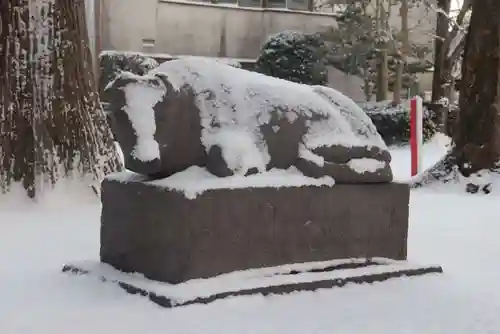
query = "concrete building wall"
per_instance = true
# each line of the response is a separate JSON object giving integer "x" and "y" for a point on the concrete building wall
{"x": 349, "y": 85}
{"x": 201, "y": 29}
{"x": 178, "y": 27}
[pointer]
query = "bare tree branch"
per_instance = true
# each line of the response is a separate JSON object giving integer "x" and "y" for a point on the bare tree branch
{"x": 458, "y": 24}
{"x": 457, "y": 52}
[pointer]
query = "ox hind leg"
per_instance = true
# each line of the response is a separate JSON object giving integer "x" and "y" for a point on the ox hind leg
{"x": 346, "y": 164}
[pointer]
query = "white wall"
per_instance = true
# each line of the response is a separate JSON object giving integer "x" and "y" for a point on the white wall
{"x": 187, "y": 28}
{"x": 349, "y": 85}
{"x": 179, "y": 27}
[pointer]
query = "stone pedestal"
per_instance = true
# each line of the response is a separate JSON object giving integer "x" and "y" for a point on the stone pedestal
{"x": 168, "y": 237}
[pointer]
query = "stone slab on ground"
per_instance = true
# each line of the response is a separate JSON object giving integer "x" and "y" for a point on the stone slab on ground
{"x": 265, "y": 281}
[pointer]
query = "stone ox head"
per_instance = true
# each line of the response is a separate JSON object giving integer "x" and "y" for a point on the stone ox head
{"x": 134, "y": 104}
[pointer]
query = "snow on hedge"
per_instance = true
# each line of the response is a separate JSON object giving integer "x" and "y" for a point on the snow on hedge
{"x": 142, "y": 60}
{"x": 393, "y": 120}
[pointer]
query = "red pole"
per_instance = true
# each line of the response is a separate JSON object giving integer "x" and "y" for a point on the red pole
{"x": 413, "y": 137}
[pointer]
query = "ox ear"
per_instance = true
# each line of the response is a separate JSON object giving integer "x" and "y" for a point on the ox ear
{"x": 122, "y": 79}
{"x": 163, "y": 78}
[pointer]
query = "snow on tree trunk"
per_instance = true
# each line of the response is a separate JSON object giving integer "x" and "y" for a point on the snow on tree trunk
{"x": 449, "y": 45}
{"x": 477, "y": 136}
{"x": 442, "y": 27}
{"x": 51, "y": 121}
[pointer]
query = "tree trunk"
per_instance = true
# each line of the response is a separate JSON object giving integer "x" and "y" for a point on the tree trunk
{"x": 382, "y": 45}
{"x": 367, "y": 81}
{"x": 52, "y": 124}
{"x": 477, "y": 137}
{"x": 442, "y": 31}
{"x": 445, "y": 109}
{"x": 382, "y": 76}
{"x": 404, "y": 52}
{"x": 398, "y": 83}
{"x": 441, "y": 66}
{"x": 405, "y": 31}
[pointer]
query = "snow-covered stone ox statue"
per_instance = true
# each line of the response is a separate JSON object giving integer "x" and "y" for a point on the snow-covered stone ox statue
{"x": 195, "y": 111}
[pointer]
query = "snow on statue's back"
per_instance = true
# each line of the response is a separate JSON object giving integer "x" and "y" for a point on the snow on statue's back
{"x": 195, "y": 111}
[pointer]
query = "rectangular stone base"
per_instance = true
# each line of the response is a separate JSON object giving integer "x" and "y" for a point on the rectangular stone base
{"x": 168, "y": 237}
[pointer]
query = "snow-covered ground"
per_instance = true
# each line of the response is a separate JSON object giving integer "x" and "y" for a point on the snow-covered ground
{"x": 453, "y": 229}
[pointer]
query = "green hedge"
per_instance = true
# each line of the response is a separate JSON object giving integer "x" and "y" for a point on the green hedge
{"x": 294, "y": 56}
{"x": 393, "y": 121}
